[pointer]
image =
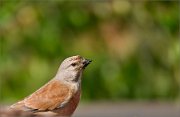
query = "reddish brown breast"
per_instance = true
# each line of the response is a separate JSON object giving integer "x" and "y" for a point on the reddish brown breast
{"x": 70, "y": 107}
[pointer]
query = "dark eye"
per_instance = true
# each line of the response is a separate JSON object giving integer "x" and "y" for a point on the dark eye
{"x": 73, "y": 64}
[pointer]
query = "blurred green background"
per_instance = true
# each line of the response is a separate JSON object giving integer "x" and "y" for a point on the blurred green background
{"x": 134, "y": 47}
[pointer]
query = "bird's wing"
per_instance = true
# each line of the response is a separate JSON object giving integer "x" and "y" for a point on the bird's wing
{"x": 49, "y": 97}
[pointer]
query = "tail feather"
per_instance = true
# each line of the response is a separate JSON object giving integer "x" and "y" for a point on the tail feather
{"x": 21, "y": 106}
{"x": 18, "y": 106}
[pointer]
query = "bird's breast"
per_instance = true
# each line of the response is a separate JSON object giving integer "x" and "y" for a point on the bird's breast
{"x": 71, "y": 106}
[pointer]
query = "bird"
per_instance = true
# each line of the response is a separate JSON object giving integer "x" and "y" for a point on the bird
{"x": 61, "y": 94}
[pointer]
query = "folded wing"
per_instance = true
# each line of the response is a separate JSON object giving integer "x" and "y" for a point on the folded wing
{"x": 49, "y": 97}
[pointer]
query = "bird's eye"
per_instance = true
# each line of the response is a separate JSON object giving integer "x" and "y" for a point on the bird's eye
{"x": 73, "y": 64}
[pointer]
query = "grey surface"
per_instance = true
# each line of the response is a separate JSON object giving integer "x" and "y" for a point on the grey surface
{"x": 128, "y": 110}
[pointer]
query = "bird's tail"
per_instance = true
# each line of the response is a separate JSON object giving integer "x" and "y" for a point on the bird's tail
{"x": 18, "y": 106}
{"x": 21, "y": 106}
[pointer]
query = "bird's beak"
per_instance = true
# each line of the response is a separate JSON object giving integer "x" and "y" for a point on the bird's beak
{"x": 86, "y": 62}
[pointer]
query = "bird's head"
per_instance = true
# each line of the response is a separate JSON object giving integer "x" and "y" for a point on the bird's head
{"x": 72, "y": 67}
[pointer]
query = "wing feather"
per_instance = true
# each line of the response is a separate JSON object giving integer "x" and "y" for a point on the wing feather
{"x": 49, "y": 97}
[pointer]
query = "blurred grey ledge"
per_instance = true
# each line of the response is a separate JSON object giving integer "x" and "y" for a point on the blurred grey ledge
{"x": 122, "y": 109}
{"x": 134, "y": 109}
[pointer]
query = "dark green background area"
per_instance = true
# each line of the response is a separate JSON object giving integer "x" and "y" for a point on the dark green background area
{"x": 134, "y": 47}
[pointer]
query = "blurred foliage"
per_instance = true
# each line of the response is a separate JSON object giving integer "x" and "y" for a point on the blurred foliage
{"x": 134, "y": 47}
